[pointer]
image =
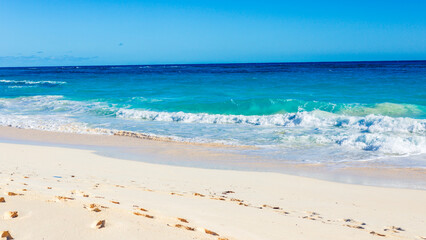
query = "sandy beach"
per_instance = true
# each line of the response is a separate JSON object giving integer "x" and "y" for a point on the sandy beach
{"x": 212, "y": 120}
{"x": 56, "y": 192}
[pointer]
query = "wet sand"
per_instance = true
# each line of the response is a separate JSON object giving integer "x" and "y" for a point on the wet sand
{"x": 218, "y": 157}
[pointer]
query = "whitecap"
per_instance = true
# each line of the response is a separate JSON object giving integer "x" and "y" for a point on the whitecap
{"x": 28, "y": 82}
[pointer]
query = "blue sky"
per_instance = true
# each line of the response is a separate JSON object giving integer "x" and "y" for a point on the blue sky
{"x": 40, "y": 33}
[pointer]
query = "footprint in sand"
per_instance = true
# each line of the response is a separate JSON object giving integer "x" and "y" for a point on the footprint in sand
{"x": 210, "y": 232}
{"x": 96, "y": 210}
{"x": 184, "y": 227}
{"x": 377, "y": 234}
{"x": 13, "y": 194}
{"x": 10, "y": 215}
{"x": 393, "y": 229}
{"x": 198, "y": 195}
{"x": 354, "y": 224}
{"x": 99, "y": 224}
{"x": 94, "y": 207}
{"x": 313, "y": 216}
{"x": 236, "y": 200}
{"x": 193, "y": 229}
{"x": 227, "y": 192}
{"x": 6, "y": 234}
{"x": 182, "y": 220}
{"x": 283, "y": 212}
{"x": 143, "y": 215}
{"x": 218, "y": 198}
{"x": 63, "y": 198}
{"x": 177, "y": 194}
{"x": 268, "y": 206}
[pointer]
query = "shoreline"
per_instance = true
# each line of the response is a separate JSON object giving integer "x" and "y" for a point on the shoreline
{"x": 61, "y": 192}
{"x": 207, "y": 156}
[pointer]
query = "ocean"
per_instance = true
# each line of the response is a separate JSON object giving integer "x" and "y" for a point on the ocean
{"x": 337, "y": 112}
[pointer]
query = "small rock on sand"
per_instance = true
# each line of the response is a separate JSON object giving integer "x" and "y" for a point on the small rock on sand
{"x": 2, "y": 199}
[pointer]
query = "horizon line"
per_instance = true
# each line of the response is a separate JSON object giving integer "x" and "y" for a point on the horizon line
{"x": 218, "y": 63}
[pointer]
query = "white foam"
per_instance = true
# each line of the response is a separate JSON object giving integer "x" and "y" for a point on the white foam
{"x": 388, "y": 135}
{"x": 32, "y": 82}
{"x": 314, "y": 119}
{"x": 371, "y": 133}
{"x": 50, "y": 123}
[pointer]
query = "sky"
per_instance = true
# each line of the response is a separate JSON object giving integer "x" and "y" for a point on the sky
{"x": 107, "y": 32}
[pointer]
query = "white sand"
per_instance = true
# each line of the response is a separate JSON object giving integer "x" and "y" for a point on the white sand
{"x": 306, "y": 208}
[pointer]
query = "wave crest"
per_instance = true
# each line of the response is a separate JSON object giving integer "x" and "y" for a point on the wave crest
{"x": 315, "y": 119}
{"x": 28, "y": 83}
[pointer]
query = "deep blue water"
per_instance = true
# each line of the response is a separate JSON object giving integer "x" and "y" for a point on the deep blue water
{"x": 311, "y": 112}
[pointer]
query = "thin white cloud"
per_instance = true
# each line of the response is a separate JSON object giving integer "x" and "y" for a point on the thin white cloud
{"x": 35, "y": 60}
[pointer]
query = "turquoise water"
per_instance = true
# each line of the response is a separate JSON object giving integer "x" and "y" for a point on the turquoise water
{"x": 302, "y": 112}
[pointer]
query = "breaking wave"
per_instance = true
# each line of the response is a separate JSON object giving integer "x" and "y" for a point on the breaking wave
{"x": 316, "y": 119}
{"x": 371, "y": 133}
{"x": 27, "y": 83}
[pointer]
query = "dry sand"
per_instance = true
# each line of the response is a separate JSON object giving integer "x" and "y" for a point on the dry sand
{"x": 63, "y": 193}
